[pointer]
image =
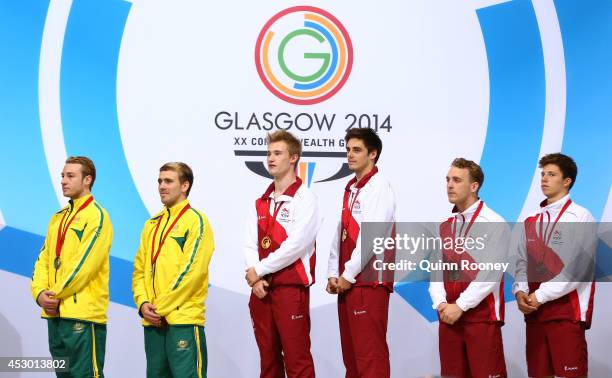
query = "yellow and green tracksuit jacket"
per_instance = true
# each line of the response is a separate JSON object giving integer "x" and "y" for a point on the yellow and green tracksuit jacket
{"x": 81, "y": 282}
{"x": 177, "y": 285}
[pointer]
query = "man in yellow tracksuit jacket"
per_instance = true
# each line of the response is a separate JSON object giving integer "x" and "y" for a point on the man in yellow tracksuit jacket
{"x": 70, "y": 280}
{"x": 170, "y": 279}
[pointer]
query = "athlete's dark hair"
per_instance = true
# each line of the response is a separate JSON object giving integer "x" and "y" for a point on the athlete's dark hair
{"x": 370, "y": 139}
{"x": 566, "y": 164}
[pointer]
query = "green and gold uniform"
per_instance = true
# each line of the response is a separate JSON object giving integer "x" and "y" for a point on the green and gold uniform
{"x": 171, "y": 272}
{"x": 74, "y": 264}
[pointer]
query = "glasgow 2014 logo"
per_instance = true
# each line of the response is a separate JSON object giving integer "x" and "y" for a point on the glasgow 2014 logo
{"x": 303, "y": 55}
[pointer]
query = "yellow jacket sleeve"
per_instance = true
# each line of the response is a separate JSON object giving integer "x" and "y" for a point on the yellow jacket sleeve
{"x": 193, "y": 267}
{"x": 92, "y": 252}
{"x": 40, "y": 277}
{"x": 139, "y": 288}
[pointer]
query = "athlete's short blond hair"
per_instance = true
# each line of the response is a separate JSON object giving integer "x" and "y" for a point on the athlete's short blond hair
{"x": 184, "y": 172}
{"x": 294, "y": 146}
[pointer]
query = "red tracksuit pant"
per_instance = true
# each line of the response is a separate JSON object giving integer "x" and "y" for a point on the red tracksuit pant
{"x": 471, "y": 350}
{"x": 557, "y": 347}
{"x": 281, "y": 321}
{"x": 362, "y": 313}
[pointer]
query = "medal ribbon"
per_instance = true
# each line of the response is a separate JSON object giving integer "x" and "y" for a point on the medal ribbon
{"x": 163, "y": 239}
{"x": 547, "y": 235}
{"x": 467, "y": 230}
{"x": 469, "y": 227}
{"x": 347, "y": 209}
{"x": 61, "y": 231}
{"x": 270, "y": 220}
{"x": 346, "y": 214}
{"x": 290, "y": 191}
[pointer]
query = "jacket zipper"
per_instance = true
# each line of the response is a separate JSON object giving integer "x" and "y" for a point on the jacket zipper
{"x": 153, "y": 278}
{"x": 74, "y": 296}
{"x": 61, "y": 226}
{"x": 154, "y": 265}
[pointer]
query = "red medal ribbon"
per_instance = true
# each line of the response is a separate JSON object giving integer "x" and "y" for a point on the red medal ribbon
{"x": 270, "y": 221}
{"x": 163, "y": 239}
{"x": 453, "y": 257}
{"x": 290, "y": 191}
{"x": 469, "y": 227}
{"x": 61, "y": 231}
{"x": 347, "y": 191}
{"x": 547, "y": 235}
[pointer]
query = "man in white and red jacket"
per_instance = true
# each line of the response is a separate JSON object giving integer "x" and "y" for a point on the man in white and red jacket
{"x": 556, "y": 245}
{"x": 280, "y": 261}
{"x": 470, "y": 303}
{"x": 363, "y": 297}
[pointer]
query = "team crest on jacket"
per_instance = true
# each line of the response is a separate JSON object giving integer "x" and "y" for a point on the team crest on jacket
{"x": 285, "y": 215}
{"x": 357, "y": 206}
{"x": 557, "y": 237}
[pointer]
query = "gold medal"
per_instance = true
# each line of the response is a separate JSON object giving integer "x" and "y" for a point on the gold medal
{"x": 57, "y": 263}
{"x": 344, "y": 234}
{"x": 266, "y": 242}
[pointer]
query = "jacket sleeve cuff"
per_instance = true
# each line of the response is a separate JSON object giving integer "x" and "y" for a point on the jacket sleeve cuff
{"x": 140, "y": 308}
{"x": 462, "y": 305}
{"x": 38, "y": 295}
{"x": 437, "y": 302}
{"x": 520, "y": 286}
{"x": 347, "y": 276}
{"x": 541, "y": 298}
{"x": 260, "y": 270}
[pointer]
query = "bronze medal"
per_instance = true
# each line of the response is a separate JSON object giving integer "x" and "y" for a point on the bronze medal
{"x": 57, "y": 263}
{"x": 540, "y": 269}
{"x": 344, "y": 234}
{"x": 266, "y": 242}
{"x": 454, "y": 275}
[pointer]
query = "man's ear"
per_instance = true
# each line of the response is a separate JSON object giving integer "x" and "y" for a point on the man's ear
{"x": 185, "y": 187}
{"x": 567, "y": 182}
{"x": 474, "y": 187}
{"x": 372, "y": 155}
{"x": 87, "y": 181}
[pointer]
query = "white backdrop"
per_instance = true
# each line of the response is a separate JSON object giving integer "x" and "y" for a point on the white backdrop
{"x": 136, "y": 84}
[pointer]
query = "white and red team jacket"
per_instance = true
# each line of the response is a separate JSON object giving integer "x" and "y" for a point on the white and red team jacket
{"x": 479, "y": 294}
{"x": 290, "y": 257}
{"x": 560, "y": 300}
{"x": 370, "y": 200}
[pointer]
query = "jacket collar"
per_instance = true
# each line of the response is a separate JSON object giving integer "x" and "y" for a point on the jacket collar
{"x": 177, "y": 207}
{"x": 79, "y": 201}
{"x": 555, "y": 206}
{"x": 287, "y": 195}
{"x": 364, "y": 180}
{"x": 469, "y": 211}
